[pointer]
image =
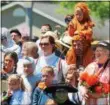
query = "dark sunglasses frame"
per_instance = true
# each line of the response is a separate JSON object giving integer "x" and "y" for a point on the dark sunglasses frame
{"x": 45, "y": 44}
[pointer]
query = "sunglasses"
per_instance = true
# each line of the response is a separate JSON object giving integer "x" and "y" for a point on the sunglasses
{"x": 45, "y": 44}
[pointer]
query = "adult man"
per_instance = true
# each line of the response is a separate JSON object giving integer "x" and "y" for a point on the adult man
{"x": 16, "y": 36}
{"x": 80, "y": 53}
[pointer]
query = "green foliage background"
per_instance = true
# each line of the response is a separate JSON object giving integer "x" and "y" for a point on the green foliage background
{"x": 98, "y": 9}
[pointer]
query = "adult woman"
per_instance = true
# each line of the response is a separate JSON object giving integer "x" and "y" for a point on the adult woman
{"x": 10, "y": 64}
{"x": 99, "y": 67}
{"x": 49, "y": 58}
{"x": 81, "y": 24}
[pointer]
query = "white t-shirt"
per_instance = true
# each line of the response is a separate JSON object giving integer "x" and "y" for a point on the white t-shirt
{"x": 59, "y": 65}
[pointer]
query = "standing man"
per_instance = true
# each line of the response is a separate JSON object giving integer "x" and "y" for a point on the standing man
{"x": 16, "y": 36}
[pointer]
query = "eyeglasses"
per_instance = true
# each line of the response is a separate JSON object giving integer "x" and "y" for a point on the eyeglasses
{"x": 45, "y": 44}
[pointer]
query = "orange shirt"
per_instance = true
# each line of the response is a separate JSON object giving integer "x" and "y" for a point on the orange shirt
{"x": 87, "y": 58}
{"x": 82, "y": 28}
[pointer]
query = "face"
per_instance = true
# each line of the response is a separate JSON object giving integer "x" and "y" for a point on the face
{"x": 70, "y": 79}
{"x": 61, "y": 96}
{"x": 101, "y": 54}
{"x": 47, "y": 77}
{"x": 13, "y": 85}
{"x": 46, "y": 46}
{"x": 79, "y": 14}
{"x": 28, "y": 69}
{"x": 24, "y": 51}
{"x": 4, "y": 41}
{"x": 15, "y": 37}
{"x": 44, "y": 29}
{"x": 9, "y": 63}
{"x": 78, "y": 47}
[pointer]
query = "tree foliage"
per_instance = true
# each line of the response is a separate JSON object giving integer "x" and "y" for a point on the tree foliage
{"x": 98, "y": 9}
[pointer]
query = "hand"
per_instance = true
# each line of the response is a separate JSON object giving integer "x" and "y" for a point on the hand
{"x": 84, "y": 92}
{"x": 76, "y": 33}
{"x": 9, "y": 93}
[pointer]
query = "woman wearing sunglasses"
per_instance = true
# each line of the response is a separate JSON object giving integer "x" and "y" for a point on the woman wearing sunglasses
{"x": 49, "y": 58}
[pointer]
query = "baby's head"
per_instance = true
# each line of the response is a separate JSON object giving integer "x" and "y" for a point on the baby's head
{"x": 15, "y": 82}
{"x": 29, "y": 65}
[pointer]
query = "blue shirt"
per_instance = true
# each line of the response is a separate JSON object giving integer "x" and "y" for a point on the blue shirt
{"x": 39, "y": 97}
{"x": 20, "y": 97}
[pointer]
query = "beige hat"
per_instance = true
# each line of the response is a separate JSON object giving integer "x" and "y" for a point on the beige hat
{"x": 65, "y": 41}
{"x": 95, "y": 42}
{"x": 51, "y": 33}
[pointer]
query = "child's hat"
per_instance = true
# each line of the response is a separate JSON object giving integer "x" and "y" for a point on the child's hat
{"x": 29, "y": 60}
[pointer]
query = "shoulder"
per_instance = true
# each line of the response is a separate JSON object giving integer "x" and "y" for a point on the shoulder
{"x": 91, "y": 67}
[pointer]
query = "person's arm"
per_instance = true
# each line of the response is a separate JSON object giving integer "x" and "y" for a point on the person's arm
{"x": 9, "y": 94}
{"x": 87, "y": 33}
{"x": 36, "y": 95}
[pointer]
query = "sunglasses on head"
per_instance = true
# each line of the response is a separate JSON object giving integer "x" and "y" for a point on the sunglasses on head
{"x": 45, "y": 44}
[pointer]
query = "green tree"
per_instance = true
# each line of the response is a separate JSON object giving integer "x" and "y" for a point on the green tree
{"x": 98, "y": 9}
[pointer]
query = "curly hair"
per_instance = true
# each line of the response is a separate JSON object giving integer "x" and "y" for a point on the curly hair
{"x": 84, "y": 7}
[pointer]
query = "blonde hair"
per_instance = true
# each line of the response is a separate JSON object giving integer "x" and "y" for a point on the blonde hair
{"x": 32, "y": 48}
{"x": 51, "y": 102}
{"x": 18, "y": 79}
{"x": 48, "y": 69}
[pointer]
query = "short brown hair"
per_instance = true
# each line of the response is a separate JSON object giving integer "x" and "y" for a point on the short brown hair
{"x": 48, "y": 69}
{"x": 51, "y": 39}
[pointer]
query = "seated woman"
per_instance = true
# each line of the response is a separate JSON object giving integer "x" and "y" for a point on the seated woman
{"x": 100, "y": 70}
{"x": 10, "y": 64}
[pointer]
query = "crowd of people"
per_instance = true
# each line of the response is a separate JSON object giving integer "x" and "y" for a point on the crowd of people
{"x": 50, "y": 71}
